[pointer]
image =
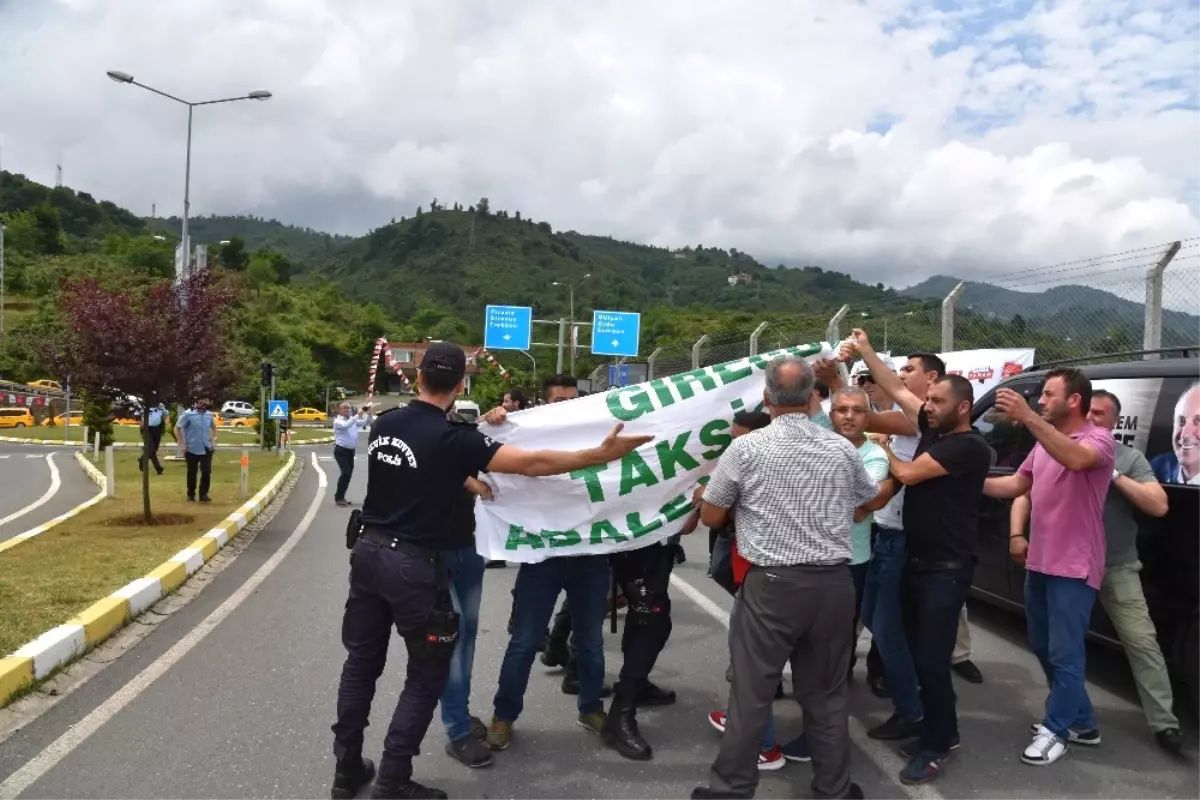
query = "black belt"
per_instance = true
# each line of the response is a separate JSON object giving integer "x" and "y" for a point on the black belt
{"x": 384, "y": 538}
{"x": 933, "y": 564}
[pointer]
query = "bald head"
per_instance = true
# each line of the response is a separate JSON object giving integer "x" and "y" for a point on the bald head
{"x": 790, "y": 382}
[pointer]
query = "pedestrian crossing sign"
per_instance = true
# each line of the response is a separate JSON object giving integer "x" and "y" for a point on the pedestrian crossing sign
{"x": 277, "y": 409}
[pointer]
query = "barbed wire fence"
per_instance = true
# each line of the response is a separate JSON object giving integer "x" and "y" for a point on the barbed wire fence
{"x": 1121, "y": 302}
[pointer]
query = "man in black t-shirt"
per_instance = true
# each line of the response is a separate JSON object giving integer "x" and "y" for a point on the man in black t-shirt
{"x": 944, "y": 485}
{"x": 417, "y": 464}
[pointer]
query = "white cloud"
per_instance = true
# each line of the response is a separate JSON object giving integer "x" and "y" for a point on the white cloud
{"x": 1022, "y": 133}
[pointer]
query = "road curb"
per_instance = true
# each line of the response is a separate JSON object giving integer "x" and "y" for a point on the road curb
{"x": 59, "y": 646}
{"x": 96, "y": 478}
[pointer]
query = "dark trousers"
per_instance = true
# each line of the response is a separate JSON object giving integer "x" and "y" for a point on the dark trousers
{"x": 344, "y": 456}
{"x": 931, "y": 601}
{"x": 643, "y": 576}
{"x": 387, "y": 587}
{"x": 203, "y": 463}
{"x": 858, "y": 574}
{"x": 155, "y": 433}
{"x": 804, "y": 614}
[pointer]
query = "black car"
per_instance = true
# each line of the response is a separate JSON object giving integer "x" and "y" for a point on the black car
{"x": 1151, "y": 391}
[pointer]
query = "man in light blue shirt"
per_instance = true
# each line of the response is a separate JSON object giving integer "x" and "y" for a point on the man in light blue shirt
{"x": 345, "y": 440}
{"x": 196, "y": 432}
{"x": 155, "y": 424}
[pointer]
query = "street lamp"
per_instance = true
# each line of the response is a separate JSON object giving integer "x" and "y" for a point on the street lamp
{"x": 257, "y": 94}
{"x": 571, "y": 288}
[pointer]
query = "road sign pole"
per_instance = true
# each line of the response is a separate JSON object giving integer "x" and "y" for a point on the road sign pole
{"x": 262, "y": 417}
{"x": 562, "y": 330}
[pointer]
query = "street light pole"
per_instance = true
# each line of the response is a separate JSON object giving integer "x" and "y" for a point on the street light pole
{"x": 571, "y": 288}
{"x": 1, "y": 278}
{"x": 257, "y": 94}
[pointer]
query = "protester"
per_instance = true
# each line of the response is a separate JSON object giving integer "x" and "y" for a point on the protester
{"x": 586, "y": 581}
{"x": 1067, "y": 475}
{"x": 1133, "y": 486}
{"x": 795, "y": 487}
{"x": 156, "y": 423}
{"x": 196, "y": 432}
{"x": 345, "y": 442}
{"x": 467, "y": 735}
{"x": 944, "y": 482}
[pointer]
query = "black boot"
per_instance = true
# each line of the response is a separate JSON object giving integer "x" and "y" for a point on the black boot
{"x": 621, "y": 731}
{"x": 654, "y": 695}
{"x": 350, "y": 775}
{"x": 405, "y": 789}
{"x": 556, "y": 654}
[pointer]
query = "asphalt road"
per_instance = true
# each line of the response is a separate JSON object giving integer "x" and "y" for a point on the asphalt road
{"x": 29, "y": 494}
{"x": 246, "y": 711}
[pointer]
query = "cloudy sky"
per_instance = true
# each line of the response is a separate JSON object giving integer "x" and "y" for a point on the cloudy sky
{"x": 893, "y": 139}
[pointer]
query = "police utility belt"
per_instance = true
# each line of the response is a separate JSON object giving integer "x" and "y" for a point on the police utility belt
{"x": 438, "y": 636}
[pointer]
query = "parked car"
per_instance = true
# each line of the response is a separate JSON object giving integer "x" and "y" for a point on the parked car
{"x": 16, "y": 418}
{"x": 308, "y": 414}
{"x": 1169, "y": 548}
{"x": 238, "y": 408}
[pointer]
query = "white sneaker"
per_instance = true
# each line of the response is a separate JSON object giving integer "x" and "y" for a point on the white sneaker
{"x": 1045, "y": 749}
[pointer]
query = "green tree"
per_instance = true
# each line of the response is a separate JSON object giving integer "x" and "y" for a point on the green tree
{"x": 261, "y": 271}
{"x": 233, "y": 254}
{"x": 97, "y": 416}
{"x": 20, "y": 232}
{"x": 48, "y": 231}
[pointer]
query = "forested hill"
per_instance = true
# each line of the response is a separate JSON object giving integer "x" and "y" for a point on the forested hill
{"x": 457, "y": 260}
{"x": 296, "y": 243}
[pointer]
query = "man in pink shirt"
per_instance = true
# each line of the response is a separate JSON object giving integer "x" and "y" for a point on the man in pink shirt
{"x": 1067, "y": 476}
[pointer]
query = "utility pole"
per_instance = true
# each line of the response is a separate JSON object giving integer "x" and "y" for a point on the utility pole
{"x": 1, "y": 278}
{"x": 58, "y": 176}
{"x": 570, "y": 288}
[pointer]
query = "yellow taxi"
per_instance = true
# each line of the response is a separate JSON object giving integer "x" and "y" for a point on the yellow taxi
{"x": 238, "y": 422}
{"x": 309, "y": 415}
{"x": 61, "y": 419}
{"x": 16, "y": 418}
{"x": 45, "y": 383}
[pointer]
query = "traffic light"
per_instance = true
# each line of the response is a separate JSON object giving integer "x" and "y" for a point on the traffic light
{"x": 268, "y": 373}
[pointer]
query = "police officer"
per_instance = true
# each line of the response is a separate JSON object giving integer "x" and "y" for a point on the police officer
{"x": 417, "y": 463}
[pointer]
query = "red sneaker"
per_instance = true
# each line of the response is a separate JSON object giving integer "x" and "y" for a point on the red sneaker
{"x": 717, "y": 720}
{"x": 771, "y": 760}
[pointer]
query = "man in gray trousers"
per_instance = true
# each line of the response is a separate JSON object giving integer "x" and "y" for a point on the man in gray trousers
{"x": 795, "y": 486}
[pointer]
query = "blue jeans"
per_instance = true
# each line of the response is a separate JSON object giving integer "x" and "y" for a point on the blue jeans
{"x": 586, "y": 581}
{"x": 466, "y": 589}
{"x": 768, "y": 740}
{"x": 1057, "y": 614}
{"x": 881, "y": 613}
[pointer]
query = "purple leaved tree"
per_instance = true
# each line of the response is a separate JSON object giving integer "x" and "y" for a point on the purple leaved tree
{"x": 142, "y": 342}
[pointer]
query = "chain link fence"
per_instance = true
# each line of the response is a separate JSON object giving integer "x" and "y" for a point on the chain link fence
{"x": 1082, "y": 308}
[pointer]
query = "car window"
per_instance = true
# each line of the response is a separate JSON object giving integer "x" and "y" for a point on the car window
{"x": 1011, "y": 442}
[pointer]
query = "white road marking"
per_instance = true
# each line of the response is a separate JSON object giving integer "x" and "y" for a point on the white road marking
{"x": 55, "y": 484}
{"x": 61, "y": 747}
{"x": 884, "y": 757}
{"x": 33, "y": 455}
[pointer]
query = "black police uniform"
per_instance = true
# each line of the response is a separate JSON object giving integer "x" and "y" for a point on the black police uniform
{"x": 417, "y": 462}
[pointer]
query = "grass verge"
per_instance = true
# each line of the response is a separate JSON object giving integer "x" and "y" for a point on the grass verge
{"x": 52, "y": 577}
{"x": 130, "y": 434}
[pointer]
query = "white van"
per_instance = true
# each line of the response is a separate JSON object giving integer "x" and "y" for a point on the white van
{"x": 467, "y": 409}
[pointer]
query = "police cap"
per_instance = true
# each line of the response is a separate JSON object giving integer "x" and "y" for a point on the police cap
{"x": 446, "y": 359}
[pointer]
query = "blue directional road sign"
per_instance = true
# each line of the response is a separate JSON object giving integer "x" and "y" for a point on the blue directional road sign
{"x": 507, "y": 327}
{"x": 277, "y": 409}
{"x": 618, "y": 374}
{"x": 616, "y": 333}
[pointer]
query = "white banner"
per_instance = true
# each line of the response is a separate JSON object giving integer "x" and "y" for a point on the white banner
{"x": 643, "y": 498}
{"x": 984, "y": 368}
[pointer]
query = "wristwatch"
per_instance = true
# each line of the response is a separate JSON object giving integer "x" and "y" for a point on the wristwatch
{"x": 1116, "y": 475}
